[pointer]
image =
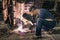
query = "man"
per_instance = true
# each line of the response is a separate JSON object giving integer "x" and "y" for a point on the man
{"x": 45, "y": 19}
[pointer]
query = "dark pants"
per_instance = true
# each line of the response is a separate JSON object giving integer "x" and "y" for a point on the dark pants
{"x": 47, "y": 26}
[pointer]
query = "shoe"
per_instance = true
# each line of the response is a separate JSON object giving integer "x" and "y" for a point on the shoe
{"x": 51, "y": 31}
{"x": 45, "y": 34}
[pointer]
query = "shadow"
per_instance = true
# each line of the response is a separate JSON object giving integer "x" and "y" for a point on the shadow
{"x": 56, "y": 31}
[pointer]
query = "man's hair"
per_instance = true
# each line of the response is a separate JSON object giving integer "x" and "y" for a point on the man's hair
{"x": 32, "y": 8}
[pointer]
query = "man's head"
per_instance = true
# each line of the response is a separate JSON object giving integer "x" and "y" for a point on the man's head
{"x": 33, "y": 10}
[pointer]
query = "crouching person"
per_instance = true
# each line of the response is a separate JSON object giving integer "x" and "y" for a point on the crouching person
{"x": 44, "y": 18}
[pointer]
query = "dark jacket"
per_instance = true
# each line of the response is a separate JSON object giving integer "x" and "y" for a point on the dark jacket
{"x": 45, "y": 14}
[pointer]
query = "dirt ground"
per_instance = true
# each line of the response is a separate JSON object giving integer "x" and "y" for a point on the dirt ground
{"x": 6, "y": 35}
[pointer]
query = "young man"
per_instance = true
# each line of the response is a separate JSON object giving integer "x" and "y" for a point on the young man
{"x": 45, "y": 19}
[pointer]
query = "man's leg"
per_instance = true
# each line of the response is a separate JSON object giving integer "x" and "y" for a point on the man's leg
{"x": 52, "y": 24}
{"x": 48, "y": 25}
{"x": 38, "y": 27}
